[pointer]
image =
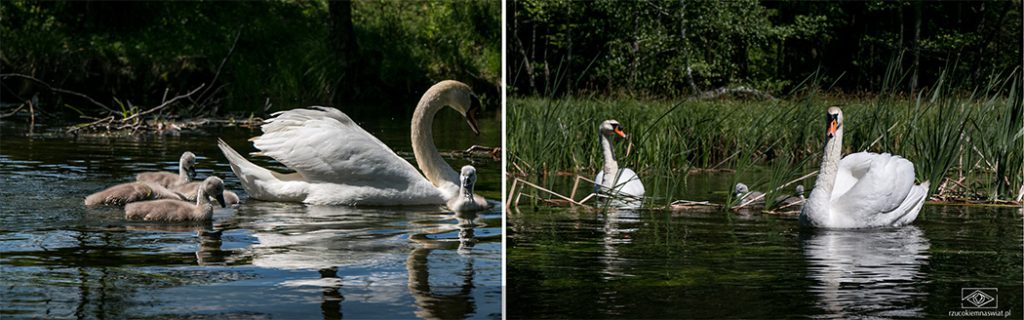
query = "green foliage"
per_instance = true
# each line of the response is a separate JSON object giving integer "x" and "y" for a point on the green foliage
{"x": 137, "y": 50}
{"x": 645, "y": 48}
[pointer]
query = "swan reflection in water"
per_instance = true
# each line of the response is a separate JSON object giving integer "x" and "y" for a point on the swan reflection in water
{"x": 332, "y": 239}
{"x": 209, "y": 251}
{"x": 452, "y": 300}
{"x": 619, "y": 226}
{"x": 868, "y": 272}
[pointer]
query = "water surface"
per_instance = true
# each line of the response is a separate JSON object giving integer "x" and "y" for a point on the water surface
{"x": 271, "y": 260}
{"x": 577, "y": 263}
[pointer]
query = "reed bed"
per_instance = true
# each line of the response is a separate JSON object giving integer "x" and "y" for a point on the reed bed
{"x": 969, "y": 145}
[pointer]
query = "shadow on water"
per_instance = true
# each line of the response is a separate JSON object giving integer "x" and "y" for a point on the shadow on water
{"x": 259, "y": 260}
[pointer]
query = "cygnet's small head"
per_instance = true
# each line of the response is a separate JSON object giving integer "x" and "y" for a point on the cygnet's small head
{"x": 740, "y": 189}
{"x": 468, "y": 179}
{"x": 800, "y": 190}
{"x": 610, "y": 128}
{"x": 460, "y": 97}
{"x": 188, "y": 161}
{"x": 833, "y": 121}
{"x": 214, "y": 187}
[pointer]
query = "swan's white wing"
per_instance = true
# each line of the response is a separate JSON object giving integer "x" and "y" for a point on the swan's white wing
{"x": 632, "y": 186}
{"x": 870, "y": 184}
{"x": 628, "y": 183}
{"x": 325, "y": 145}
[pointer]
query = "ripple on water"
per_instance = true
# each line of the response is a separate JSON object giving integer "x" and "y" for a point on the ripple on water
{"x": 658, "y": 264}
{"x": 62, "y": 260}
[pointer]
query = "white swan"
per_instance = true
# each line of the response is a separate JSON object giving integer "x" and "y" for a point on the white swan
{"x": 466, "y": 201}
{"x": 862, "y": 190}
{"x": 339, "y": 163}
{"x": 186, "y": 172}
{"x": 624, "y": 183}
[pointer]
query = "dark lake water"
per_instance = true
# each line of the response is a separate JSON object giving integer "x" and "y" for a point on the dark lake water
{"x": 59, "y": 259}
{"x": 576, "y": 263}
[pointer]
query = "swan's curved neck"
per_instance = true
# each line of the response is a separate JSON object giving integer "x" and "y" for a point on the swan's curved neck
{"x": 183, "y": 173}
{"x": 434, "y": 167}
{"x": 611, "y": 167}
{"x": 819, "y": 203}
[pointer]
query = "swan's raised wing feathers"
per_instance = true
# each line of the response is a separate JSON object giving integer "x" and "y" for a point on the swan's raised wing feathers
{"x": 323, "y": 144}
{"x": 871, "y": 183}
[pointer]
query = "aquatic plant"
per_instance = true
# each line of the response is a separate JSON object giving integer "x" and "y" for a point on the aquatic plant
{"x": 965, "y": 144}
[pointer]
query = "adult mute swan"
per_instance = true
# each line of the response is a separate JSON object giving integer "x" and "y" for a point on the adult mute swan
{"x": 864, "y": 189}
{"x": 466, "y": 201}
{"x": 623, "y": 184}
{"x": 339, "y": 163}
{"x": 186, "y": 172}
{"x": 179, "y": 211}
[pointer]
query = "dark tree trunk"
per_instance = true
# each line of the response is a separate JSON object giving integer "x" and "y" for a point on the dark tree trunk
{"x": 343, "y": 44}
{"x": 916, "y": 47}
{"x": 686, "y": 49}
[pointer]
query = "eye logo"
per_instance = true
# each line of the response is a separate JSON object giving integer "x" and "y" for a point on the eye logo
{"x": 979, "y": 298}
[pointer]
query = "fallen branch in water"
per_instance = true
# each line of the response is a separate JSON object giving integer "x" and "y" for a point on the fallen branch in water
{"x": 476, "y": 151}
{"x": 133, "y": 121}
{"x": 13, "y": 112}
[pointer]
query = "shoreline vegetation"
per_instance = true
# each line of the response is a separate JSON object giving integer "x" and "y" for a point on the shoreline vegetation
{"x": 134, "y": 65}
{"x": 742, "y": 86}
{"x": 968, "y": 144}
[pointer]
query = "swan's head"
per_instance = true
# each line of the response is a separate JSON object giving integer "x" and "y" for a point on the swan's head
{"x": 834, "y": 121}
{"x": 611, "y": 127}
{"x": 460, "y": 97}
{"x": 214, "y": 187}
{"x": 188, "y": 162}
{"x": 800, "y": 190}
{"x": 468, "y": 179}
{"x": 740, "y": 189}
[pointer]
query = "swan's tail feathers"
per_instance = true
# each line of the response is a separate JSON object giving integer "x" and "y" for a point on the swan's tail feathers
{"x": 250, "y": 174}
{"x": 912, "y": 205}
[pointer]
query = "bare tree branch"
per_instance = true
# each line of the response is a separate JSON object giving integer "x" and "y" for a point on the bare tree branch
{"x": 59, "y": 90}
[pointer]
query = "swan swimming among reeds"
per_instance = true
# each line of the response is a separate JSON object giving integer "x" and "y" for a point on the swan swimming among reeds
{"x": 861, "y": 190}
{"x": 790, "y": 202}
{"x": 623, "y": 185}
{"x": 339, "y": 163}
{"x": 746, "y": 198}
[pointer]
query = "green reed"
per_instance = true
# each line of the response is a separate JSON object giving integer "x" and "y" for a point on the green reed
{"x": 953, "y": 138}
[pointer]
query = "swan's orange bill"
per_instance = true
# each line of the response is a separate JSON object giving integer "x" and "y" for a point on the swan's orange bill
{"x": 620, "y": 133}
{"x": 832, "y": 125}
